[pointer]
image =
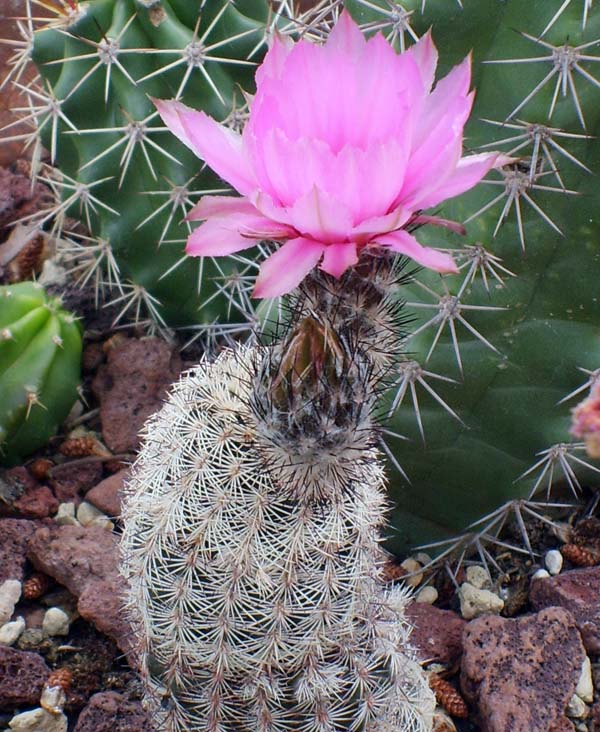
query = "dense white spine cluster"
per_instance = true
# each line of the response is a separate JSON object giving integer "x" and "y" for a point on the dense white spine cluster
{"x": 256, "y": 611}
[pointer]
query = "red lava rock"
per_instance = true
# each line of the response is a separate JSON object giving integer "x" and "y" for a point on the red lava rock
{"x": 85, "y": 561}
{"x": 22, "y": 677}
{"x": 578, "y": 591}
{"x": 595, "y": 718}
{"x": 71, "y": 480}
{"x": 437, "y": 634}
{"x": 106, "y": 496}
{"x": 131, "y": 386}
{"x": 112, "y": 712}
{"x": 14, "y": 538}
{"x": 521, "y": 673}
{"x": 17, "y": 199}
{"x": 36, "y": 503}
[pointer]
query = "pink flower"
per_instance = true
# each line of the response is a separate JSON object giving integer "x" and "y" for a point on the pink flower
{"x": 586, "y": 421}
{"x": 345, "y": 144}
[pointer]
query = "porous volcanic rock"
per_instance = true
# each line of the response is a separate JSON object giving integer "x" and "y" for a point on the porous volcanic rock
{"x": 85, "y": 561}
{"x": 579, "y": 592}
{"x": 112, "y": 712}
{"x": 521, "y": 673}
{"x": 14, "y": 539}
{"x": 25, "y": 497}
{"x": 437, "y": 634}
{"x": 72, "y": 479}
{"x": 131, "y": 386}
{"x": 22, "y": 676}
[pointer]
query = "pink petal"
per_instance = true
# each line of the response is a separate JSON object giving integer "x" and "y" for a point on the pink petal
{"x": 346, "y": 36}
{"x": 221, "y": 236}
{"x": 425, "y": 54}
{"x": 287, "y": 267}
{"x": 468, "y": 172}
{"x": 274, "y": 60}
{"x": 338, "y": 257}
{"x": 382, "y": 224}
{"x": 321, "y": 217}
{"x": 404, "y": 243}
{"x": 220, "y": 147}
{"x": 215, "y": 206}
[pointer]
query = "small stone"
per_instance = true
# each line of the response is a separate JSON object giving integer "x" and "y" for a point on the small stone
{"x": 56, "y": 622}
{"x": 10, "y": 592}
{"x": 553, "y": 561}
{"x": 22, "y": 677}
{"x": 427, "y": 594}
{"x": 38, "y": 720}
{"x": 412, "y": 567}
{"x": 103, "y": 522}
{"x": 436, "y": 634}
{"x": 87, "y": 514}
{"x": 585, "y": 685}
{"x": 53, "y": 699}
{"x": 478, "y": 577}
{"x": 14, "y": 537}
{"x": 10, "y": 632}
{"x": 107, "y": 494}
{"x": 108, "y": 712}
{"x": 540, "y": 574}
{"x": 65, "y": 516}
{"x": 577, "y": 708}
{"x": 475, "y": 602}
{"x": 423, "y": 558}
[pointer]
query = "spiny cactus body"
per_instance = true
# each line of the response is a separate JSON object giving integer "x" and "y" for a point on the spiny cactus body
{"x": 259, "y": 606}
{"x": 40, "y": 354}
{"x": 119, "y": 173}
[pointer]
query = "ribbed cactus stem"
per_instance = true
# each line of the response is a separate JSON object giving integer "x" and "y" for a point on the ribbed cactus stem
{"x": 251, "y": 543}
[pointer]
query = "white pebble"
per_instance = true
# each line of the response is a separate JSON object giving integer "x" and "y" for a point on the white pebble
{"x": 103, "y": 522}
{"x": 427, "y": 595}
{"x": 55, "y": 622}
{"x": 65, "y": 516}
{"x": 412, "y": 567}
{"x": 38, "y": 720}
{"x": 478, "y": 577}
{"x": 577, "y": 708}
{"x": 540, "y": 574}
{"x": 53, "y": 699}
{"x": 475, "y": 602}
{"x": 553, "y": 561}
{"x": 423, "y": 558}
{"x": 585, "y": 685}
{"x": 10, "y": 632}
{"x": 10, "y": 592}
{"x": 87, "y": 514}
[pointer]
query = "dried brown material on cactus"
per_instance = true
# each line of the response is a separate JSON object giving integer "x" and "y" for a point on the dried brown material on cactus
{"x": 62, "y": 677}
{"x": 448, "y": 697}
{"x": 587, "y": 533}
{"x": 392, "y": 571}
{"x": 83, "y": 446}
{"x": 35, "y": 586}
{"x": 579, "y": 556}
{"x": 39, "y": 468}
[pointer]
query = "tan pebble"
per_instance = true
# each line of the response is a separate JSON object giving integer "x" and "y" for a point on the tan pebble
{"x": 10, "y": 592}
{"x": 38, "y": 720}
{"x": 478, "y": 577}
{"x": 585, "y": 685}
{"x": 475, "y": 602}
{"x": 10, "y": 632}
{"x": 87, "y": 514}
{"x": 427, "y": 595}
{"x": 423, "y": 558}
{"x": 56, "y": 622}
{"x": 577, "y": 708}
{"x": 53, "y": 699}
{"x": 412, "y": 567}
{"x": 65, "y": 516}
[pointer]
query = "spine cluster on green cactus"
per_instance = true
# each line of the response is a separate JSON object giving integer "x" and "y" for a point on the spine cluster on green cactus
{"x": 251, "y": 548}
{"x": 40, "y": 353}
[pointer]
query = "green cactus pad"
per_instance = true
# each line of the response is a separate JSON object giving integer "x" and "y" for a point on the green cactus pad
{"x": 40, "y": 355}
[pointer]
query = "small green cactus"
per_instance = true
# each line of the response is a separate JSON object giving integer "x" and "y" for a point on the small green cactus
{"x": 40, "y": 355}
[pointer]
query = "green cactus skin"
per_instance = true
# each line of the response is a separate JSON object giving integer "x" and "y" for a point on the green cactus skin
{"x": 105, "y": 66}
{"x": 40, "y": 356}
{"x": 507, "y": 400}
